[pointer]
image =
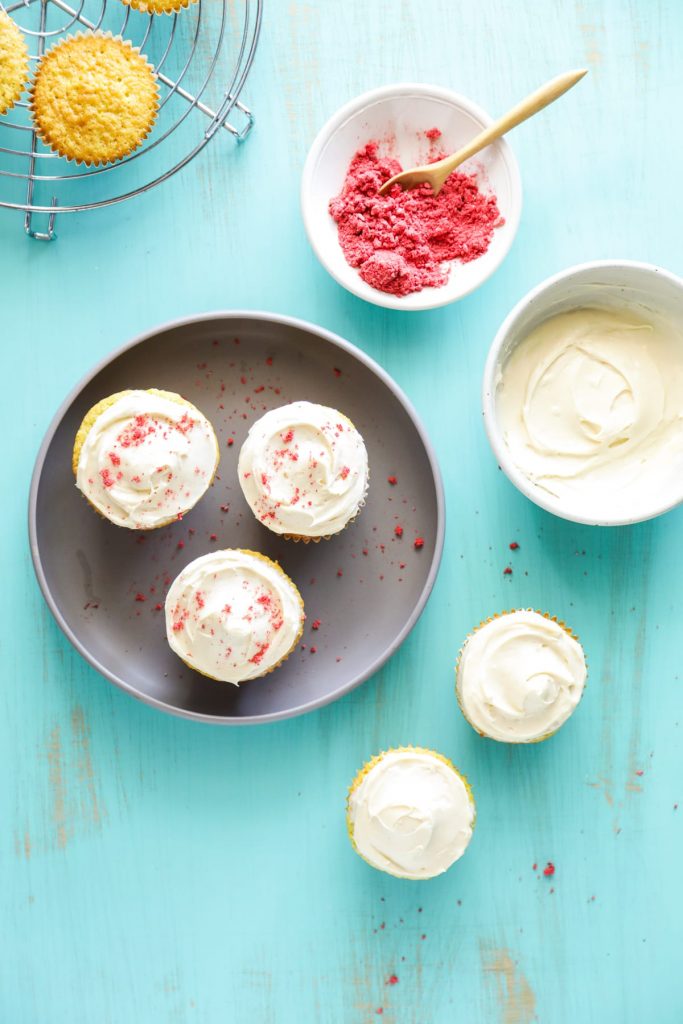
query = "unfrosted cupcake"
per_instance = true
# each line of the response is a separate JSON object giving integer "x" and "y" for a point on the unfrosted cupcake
{"x": 94, "y": 98}
{"x": 144, "y": 458}
{"x": 410, "y": 813}
{"x": 159, "y": 6}
{"x": 13, "y": 62}
{"x": 233, "y": 615}
{"x": 304, "y": 471}
{"x": 519, "y": 676}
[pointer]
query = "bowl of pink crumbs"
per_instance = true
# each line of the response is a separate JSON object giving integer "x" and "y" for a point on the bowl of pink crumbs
{"x": 409, "y": 249}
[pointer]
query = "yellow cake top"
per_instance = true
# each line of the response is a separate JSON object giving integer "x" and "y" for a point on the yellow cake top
{"x": 13, "y": 63}
{"x": 94, "y": 98}
{"x": 158, "y": 6}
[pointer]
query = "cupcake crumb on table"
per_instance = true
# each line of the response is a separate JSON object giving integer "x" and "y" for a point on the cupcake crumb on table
{"x": 94, "y": 98}
{"x": 144, "y": 458}
{"x": 233, "y": 615}
{"x": 14, "y": 67}
{"x": 303, "y": 470}
{"x": 519, "y": 676}
{"x": 410, "y": 813}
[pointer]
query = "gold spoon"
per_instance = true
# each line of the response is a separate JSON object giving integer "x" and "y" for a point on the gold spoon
{"x": 437, "y": 173}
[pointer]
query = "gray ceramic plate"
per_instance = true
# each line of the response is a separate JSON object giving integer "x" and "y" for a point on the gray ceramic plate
{"x": 367, "y": 587}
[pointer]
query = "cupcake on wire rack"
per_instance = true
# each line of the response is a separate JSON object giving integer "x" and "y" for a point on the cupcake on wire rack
{"x": 303, "y": 470}
{"x": 410, "y": 813}
{"x": 13, "y": 62}
{"x": 94, "y": 98}
{"x": 144, "y": 458}
{"x": 158, "y": 6}
{"x": 519, "y": 676}
{"x": 233, "y": 615}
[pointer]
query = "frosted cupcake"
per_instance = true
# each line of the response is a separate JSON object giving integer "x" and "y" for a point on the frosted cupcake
{"x": 519, "y": 676}
{"x": 233, "y": 615}
{"x": 144, "y": 458}
{"x": 304, "y": 471}
{"x": 410, "y": 813}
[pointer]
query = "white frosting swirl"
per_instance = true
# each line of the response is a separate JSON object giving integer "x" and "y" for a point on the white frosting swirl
{"x": 519, "y": 677}
{"x": 411, "y": 815}
{"x": 146, "y": 460}
{"x": 304, "y": 470}
{"x": 591, "y": 409}
{"x": 233, "y": 615}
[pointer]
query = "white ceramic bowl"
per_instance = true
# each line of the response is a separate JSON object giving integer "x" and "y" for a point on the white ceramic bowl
{"x": 613, "y": 284}
{"x": 405, "y": 111}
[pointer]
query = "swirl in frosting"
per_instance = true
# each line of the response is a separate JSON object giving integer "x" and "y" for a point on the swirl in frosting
{"x": 233, "y": 615}
{"x": 304, "y": 470}
{"x": 411, "y": 814}
{"x": 147, "y": 459}
{"x": 591, "y": 409}
{"x": 519, "y": 677}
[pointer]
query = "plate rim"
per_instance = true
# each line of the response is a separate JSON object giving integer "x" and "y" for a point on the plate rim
{"x": 337, "y": 341}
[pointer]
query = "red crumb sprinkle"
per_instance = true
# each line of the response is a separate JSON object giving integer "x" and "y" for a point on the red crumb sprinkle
{"x": 181, "y": 544}
{"x": 392, "y": 979}
{"x": 259, "y": 389}
{"x": 398, "y": 530}
{"x": 549, "y": 869}
{"x": 514, "y": 546}
{"x": 177, "y": 626}
{"x": 336, "y": 371}
{"x": 534, "y": 866}
{"x": 345, "y": 470}
{"x": 403, "y": 241}
{"x": 639, "y": 771}
{"x": 140, "y": 597}
{"x": 107, "y": 478}
{"x": 315, "y": 624}
{"x": 433, "y": 134}
{"x": 314, "y": 650}
{"x": 230, "y": 442}
{"x": 419, "y": 542}
{"x": 269, "y": 360}
{"x": 225, "y": 508}
{"x": 507, "y": 571}
{"x": 340, "y": 572}
{"x": 158, "y": 607}
{"x": 392, "y": 480}
{"x": 423, "y": 936}
{"x": 365, "y": 551}
{"x": 213, "y": 536}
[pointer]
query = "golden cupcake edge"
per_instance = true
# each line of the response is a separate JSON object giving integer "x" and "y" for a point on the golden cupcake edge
{"x": 14, "y": 74}
{"x": 369, "y": 765}
{"x": 60, "y": 71}
{"x": 297, "y": 638}
{"x": 485, "y": 622}
{"x": 96, "y": 411}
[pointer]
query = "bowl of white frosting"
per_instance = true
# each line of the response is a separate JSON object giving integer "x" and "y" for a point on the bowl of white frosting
{"x": 583, "y": 393}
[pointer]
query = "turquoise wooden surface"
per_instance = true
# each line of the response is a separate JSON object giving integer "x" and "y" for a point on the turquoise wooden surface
{"x": 161, "y": 871}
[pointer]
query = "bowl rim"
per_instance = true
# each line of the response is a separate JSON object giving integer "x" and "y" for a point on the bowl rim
{"x": 338, "y": 342}
{"x": 488, "y": 392}
{"x": 407, "y": 303}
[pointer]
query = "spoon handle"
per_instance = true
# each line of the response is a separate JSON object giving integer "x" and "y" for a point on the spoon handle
{"x": 526, "y": 108}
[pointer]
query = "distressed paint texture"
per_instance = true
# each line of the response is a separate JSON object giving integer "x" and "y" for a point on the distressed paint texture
{"x": 155, "y": 870}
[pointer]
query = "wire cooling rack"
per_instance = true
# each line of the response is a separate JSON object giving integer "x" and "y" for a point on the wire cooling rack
{"x": 202, "y": 56}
